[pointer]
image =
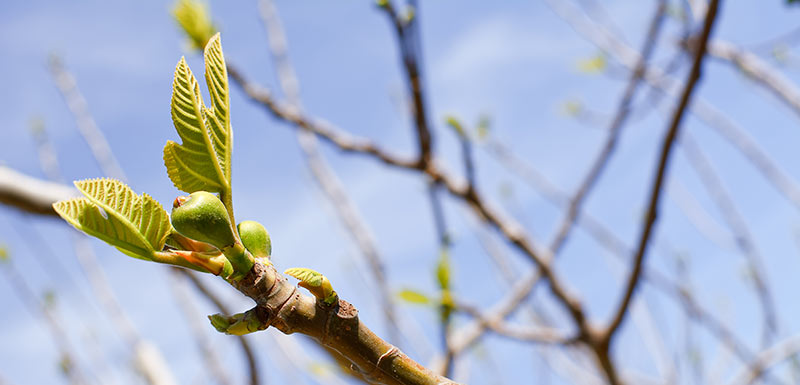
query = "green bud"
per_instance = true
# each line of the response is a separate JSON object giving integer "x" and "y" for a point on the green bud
{"x": 203, "y": 217}
{"x": 255, "y": 238}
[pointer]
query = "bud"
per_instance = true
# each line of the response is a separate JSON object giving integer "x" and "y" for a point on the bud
{"x": 255, "y": 238}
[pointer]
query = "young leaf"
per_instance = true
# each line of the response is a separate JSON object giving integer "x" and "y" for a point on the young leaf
{"x": 136, "y": 225}
{"x": 194, "y": 19}
{"x": 202, "y": 160}
{"x": 308, "y": 276}
{"x": 413, "y": 296}
{"x": 316, "y": 283}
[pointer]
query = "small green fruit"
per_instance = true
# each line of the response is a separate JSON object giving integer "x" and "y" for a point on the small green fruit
{"x": 255, "y": 238}
{"x": 203, "y": 217}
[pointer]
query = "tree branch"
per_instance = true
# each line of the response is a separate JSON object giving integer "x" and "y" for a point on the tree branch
{"x": 614, "y": 130}
{"x": 31, "y": 194}
{"x": 661, "y": 170}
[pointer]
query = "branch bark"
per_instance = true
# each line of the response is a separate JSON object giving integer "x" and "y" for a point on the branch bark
{"x": 661, "y": 171}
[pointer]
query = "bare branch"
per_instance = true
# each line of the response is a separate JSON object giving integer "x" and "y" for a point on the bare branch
{"x": 614, "y": 131}
{"x": 759, "y": 71}
{"x": 776, "y": 354}
{"x": 83, "y": 118}
{"x": 326, "y": 178}
{"x": 250, "y": 356}
{"x": 31, "y": 194}
{"x": 666, "y": 150}
{"x": 744, "y": 239}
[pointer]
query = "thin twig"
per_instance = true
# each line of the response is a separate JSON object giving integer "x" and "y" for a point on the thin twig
{"x": 661, "y": 170}
{"x": 36, "y": 307}
{"x": 742, "y": 235}
{"x": 758, "y": 70}
{"x": 661, "y": 81}
{"x": 208, "y": 354}
{"x": 83, "y": 118}
{"x": 614, "y": 131}
{"x": 764, "y": 360}
{"x": 326, "y": 178}
{"x": 538, "y": 335}
{"x": 249, "y": 354}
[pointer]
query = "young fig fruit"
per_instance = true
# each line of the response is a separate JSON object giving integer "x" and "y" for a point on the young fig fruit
{"x": 255, "y": 238}
{"x": 203, "y": 217}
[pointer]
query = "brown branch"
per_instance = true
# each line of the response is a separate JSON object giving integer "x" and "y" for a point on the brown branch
{"x": 666, "y": 150}
{"x": 661, "y": 81}
{"x": 608, "y": 240}
{"x": 279, "y": 304}
{"x": 326, "y": 178}
{"x": 511, "y": 230}
{"x": 324, "y": 130}
{"x": 614, "y": 131}
{"x": 408, "y": 37}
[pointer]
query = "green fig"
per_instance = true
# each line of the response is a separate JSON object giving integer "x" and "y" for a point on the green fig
{"x": 203, "y": 217}
{"x": 255, "y": 238}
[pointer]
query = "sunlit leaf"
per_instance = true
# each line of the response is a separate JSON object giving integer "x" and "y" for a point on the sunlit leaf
{"x": 315, "y": 282}
{"x": 308, "y": 276}
{"x": 456, "y": 125}
{"x": 414, "y": 297}
{"x": 195, "y": 20}
{"x": 202, "y": 160}
{"x": 443, "y": 269}
{"x": 137, "y": 225}
{"x": 595, "y": 64}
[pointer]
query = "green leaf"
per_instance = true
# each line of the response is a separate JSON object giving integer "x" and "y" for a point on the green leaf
{"x": 136, "y": 225}
{"x": 202, "y": 160}
{"x": 195, "y": 20}
{"x": 315, "y": 282}
{"x": 595, "y": 64}
{"x": 443, "y": 269}
{"x": 414, "y": 297}
{"x": 308, "y": 276}
{"x": 456, "y": 125}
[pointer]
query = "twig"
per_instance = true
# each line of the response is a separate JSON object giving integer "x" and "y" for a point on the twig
{"x": 759, "y": 71}
{"x": 467, "y": 335}
{"x": 660, "y": 80}
{"x": 326, "y": 178}
{"x": 538, "y": 335}
{"x": 666, "y": 150}
{"x": 207, "y": 352}
{"x": 408, "y": 37}
{"x": 613, "y": 134}
{"x": 34, "y": 305}
{"x": 507, "y": 227}
{"x": 744, "y": 239}
{"x": 779, "y": 352}
{"x": 249, "y": 353}
{"x": 83, "y": 118}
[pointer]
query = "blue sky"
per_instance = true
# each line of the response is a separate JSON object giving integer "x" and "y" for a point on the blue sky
{"x": 515, "y": 61}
